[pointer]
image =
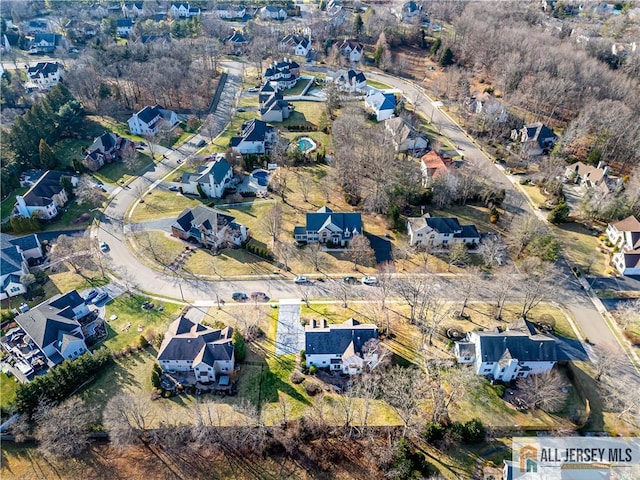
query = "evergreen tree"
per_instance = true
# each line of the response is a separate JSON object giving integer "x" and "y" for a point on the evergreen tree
{"x": 377, "y": 56}
{"x": 436, "y": 46}
{"x": 446, "y": 59}
{"x": 239, "y": 347}
{"x": 358, "y": 24}
{"x": 48, "y": 159}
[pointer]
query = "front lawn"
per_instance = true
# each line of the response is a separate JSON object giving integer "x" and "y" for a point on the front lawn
{"x": 581, "y": 246}
{"x": 118, "y": 171}
{"x": 378, "y": 85}
{"x": 74, "y": 215}
{"x": 297, "y": 88}
{"x": 163, "y": 204}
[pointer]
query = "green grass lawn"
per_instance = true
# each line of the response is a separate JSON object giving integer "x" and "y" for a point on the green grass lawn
{"x": 378, "y": 85}
{"x": 117, "y": 171}
{"x": 581, "y": 247}
{"x": 8, "y": 387}
{"x": 297, "y": 88}
{"x": 7, "y": 204}
{"x": 305, "y": 114}
{"x": 163, "y": 204}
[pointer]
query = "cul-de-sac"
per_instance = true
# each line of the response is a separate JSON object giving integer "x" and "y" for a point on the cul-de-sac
{"x": 317, "y": 239}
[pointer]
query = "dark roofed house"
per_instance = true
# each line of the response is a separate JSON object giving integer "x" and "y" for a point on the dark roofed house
{"x": 148, "y": 120}
{"x": 236, "y": 42}
{"x": 212, "y": 178}
{"x": 273, "y": 107}
{"x": 536, "y": 138}
{"x": 210, "y": 227}
{"x": 106, "y": 148}
{"x": 54, "y": 329}
{"x": 29, "y": 245}
{"x": 283, "y": 74}
{"x": 43, "y": 75}
{"x": 257, "y": 137}
{"x": 519, "y": 351}
{"x": 13, "y": 266}
{"x": 195, "y": 348}
{"x": 340, "y": 346}
{"x": 43, "y": 43}
{"x": 625, "y": 235}
{"x": 352, "y": 49}
{"x": 124, "y": 26}
{"x": 327, "y": 226}
{"x": 440, "y": 231}
{"x": 299, "y": 44}
{"x": 44, "y": 197}
{"x": 271, "y": 12}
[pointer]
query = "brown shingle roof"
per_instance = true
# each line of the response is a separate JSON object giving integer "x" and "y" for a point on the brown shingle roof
{"x": 629, "y": 224}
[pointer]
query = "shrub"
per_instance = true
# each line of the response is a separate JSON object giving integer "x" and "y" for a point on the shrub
{"x": 297, "y": 377}
{"x": 143, "y": 342}
{"x": 303, "y": 356}
{"x": 313, "y": 370}
{"x": 473, "y": 432}
{"x": 499, "y": 389}
{"x": 239, "y": 346}
{"x": 312, "y": 388}
{"x": 433, "y": 432}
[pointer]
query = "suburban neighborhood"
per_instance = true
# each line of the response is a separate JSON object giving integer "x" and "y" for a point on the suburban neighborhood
{"x": 319, "y": 239}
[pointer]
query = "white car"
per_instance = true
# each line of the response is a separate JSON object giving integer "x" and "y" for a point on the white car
{"x": 301, "y": 280}
{"x": 370, "y": 280}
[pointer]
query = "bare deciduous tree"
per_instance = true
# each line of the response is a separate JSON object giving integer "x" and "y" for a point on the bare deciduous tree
{"x": 544, "y": 391}
{"x": 501, "y": 285}
{"x": 128, "y": 419}
{"x": 467, "y": 285}
{"x": 271, "y": 223}
{"x": 87, "y": 192}
{"x": 403, "y": 389}
{"x": 304, "y": 185}
{"x": 360, "y": 251}
{"x": 314, "y": 254}
{"x": 536, "y": 286}
{"x": 492, "y": 251}
{"x": 63, "y": 430}
{"x": 458, "y": 256}
{"x": 75, "y": 251}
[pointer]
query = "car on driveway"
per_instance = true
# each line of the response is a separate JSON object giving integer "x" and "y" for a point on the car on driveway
{"x": 92, "y": 294}
{"x": 173, "y": 188}
{"x": 301, "y": 280}
{"x": 370, "y": 280}
{"x": 259, "y": 296}
{"x": 239, "y": 296}
{"x": 350, "y": 280}
{"x": 201, "y": 143}
{"x": 104, "y": 247}
{"x": 101, "y": 296}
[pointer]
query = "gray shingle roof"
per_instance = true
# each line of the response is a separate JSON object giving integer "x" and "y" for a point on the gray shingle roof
{"x": 335, "y": 339}
{"x": 26, "y": 242}
{"x": 10, "y": 260}
{"x": 42, "y": 192}
{"x": 520, "y": 343}
{"x": 202, "y": 215}
{"x": 187, "y": 340}
{"x": 344, "y": 221}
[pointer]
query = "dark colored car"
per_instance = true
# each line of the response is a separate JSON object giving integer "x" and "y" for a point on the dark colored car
{"x": 90, "y": 295}
{"x": 239, "y": 296}
{"x": 101, "y": 296}
{"x": 201, "y": 143}
{"x": 350, "y": 280}
{"x": 259, "y": 296}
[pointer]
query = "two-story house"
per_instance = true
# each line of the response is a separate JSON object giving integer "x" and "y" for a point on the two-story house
{"x": 381, "y": 105}
{"x": 256, "y": 137}
{"x": 273, "y": 107}
{"x": 106, "y": 148}
{"x": 519, "y": 351}
{"x": 327, "y": 226}
{"x": 124, "y": 27}
{"x": 13, "y": 266}
{"x": 350, "y": 49}
{"x": 228, "y": 11}
{"x": 183, "y": 10}
{"x": 440, "y": 231}
{"x": 29, "y": 245}
{"x": 236, "y": 43}
{"x": 195, "y": 348}
{"x": 296, "y": 44}
{"x": 54, "y": 329}
{"x": 349, "y": 80}
{"x": 43, "y": 43}
{"x": 212, "y": 228}
{"x": 282, "y": 74}
{"x": 625, "y": 235}
{"x": 404, "y": 137}
{"x": 133, "y": 10}
{"x": 340, "y": 346}
{"x": 43, "y": 75}
{"x": 433, "y": 165}
{"x": 535, "y": 138}
{"x": 587, "y": 176}
{"x": 213, "y": 178}
{"x": 45, "y": 196}
{"x": 148, "y": 120}
{"x": 271, "y": 12}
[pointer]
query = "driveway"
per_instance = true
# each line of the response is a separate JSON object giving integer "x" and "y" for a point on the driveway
{"x": 382, "y": 248}
{"x": 289, "y": 330}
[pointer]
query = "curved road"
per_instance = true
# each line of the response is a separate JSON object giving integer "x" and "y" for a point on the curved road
{"x": 113, "y": 228}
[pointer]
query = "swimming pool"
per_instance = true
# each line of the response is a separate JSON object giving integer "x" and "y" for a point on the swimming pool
{"x": 306, "y": 144}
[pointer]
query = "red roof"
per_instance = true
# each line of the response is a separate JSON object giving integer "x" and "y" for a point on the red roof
{"x": 435, "y": 164}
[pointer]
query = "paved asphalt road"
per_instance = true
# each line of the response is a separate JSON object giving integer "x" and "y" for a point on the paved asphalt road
{"x": 112, "y": 229}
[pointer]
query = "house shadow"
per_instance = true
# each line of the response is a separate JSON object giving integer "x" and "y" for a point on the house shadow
{"x": 570, "y": 349}
{"x": 381, "y": 247}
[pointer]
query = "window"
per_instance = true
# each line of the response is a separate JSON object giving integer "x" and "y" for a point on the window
{"x": 323, "y": 362}
{"x": 224, "y": 369}
{"x": 419, "y": 234}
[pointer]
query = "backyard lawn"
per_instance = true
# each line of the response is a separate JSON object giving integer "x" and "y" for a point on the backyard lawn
{"x": 8, "y": 386}
{"x": 7, "y": 204}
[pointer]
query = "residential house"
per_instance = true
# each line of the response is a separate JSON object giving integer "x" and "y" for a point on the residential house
{"x": 349, "y": 80}
{"x": 183, "y": 10}
{"x": 625, "y": 235}
{"x": 404, "y": 137}
{"x": 212, "y": 178}
{"x": 29, "y": 245}
{"x": 236, "y": 43}
{"x": 228, "y": 11}
{"x": 211, "y": 228}
{"x": 256, "y": 137}
{"x": 327, "y": 226}
{"x": 351, "y": 49}
{"x": 340, "y": 346}
{"x": 155, "y": 38}
{"x": 133, "y": 10}
{"x": 381, "y": 105}
{"x": 535, "y": 138}
{"x": 519, "y": 351}
{"x": 43, "y": 75}
{"x": 45, "y": 197}
{"x": 440, "y": 231}
{"x": 13, "y": 266}
{"x": 191, "y": 347}
{"x": 273, "y": 107}
{"x": 52, "y": 329}
{"x": 43, "y": 43}
{"x": 588, "y": 176}
{"x": 98, "y": 10}
{"x": 148, "y": 120}
{"x": 271, "y": 12}
{"x": 282, "y": 74}
{"x": 432, "y": 166}
{"x": 298, "y": 44}
{"x": 106, "y": 148}
{"x": 37, "y": 25}
{"x": 408, "y": 11}
{"x": 487, "y": 106}
{"x": 124, "y": 27}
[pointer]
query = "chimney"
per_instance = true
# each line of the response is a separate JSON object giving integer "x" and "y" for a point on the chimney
{"x": 323, "y": 323}
{"x": 313, "y": 323}
{"x": 606, "y": 171}
{"x": 600, "y": 164}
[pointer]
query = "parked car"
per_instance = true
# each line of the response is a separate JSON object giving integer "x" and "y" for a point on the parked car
{"x": 201, "y": 143}
{"x": 253, "y": 90}
{"x": 173, "y": 188}
{"x": 239, "y": 296}
{"x": 259, "y": 296}
{"x": 101, "y": 296}
{"x": 241, "y": 110}
{"x": 370, "y": 280}
{"x": 104, "y": 247}
{"x": 350, "y": 280}
{"x": 301, "y": 280}
{"x": 92, "y": 294}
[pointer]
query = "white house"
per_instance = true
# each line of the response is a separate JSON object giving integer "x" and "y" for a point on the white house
{"x": 348, "y": 80}
{"x": 519, "y": 351}
{"x": 210, "y": 227}
{"x": 340, "y": 347}
{"x": 183, "y": 10}
{"x": 44, "y": 197}
{"x": 625, "y": 235}
{"x": 43, "y": 75}
{"x": 282, "y": 74}
{"x": 13, "y": 266}
{"x": 404, "y": 137}
{"x": 54, "y": 329}
{"x": 298, "y": 44}
{"x": 382, "y": 105}
{"x": 535, "y": 138}
{"x": 195, "y": 348}
{"x": 587, "y": 176}
{"x": 440, "y": 231}
{"x": 228, "y": 11}
{"x": 213, "y": 178}
{"x": 148, "y": 120}
{"x": 271, "y": 12}
{"x": 132, "y": 10}
{"x": 256, "y": 138}
{"x": 43, "y": 43}
{"x": 351, "y": 49}
{"x": 325, "y": 225}
{"x": 124, "y": 27}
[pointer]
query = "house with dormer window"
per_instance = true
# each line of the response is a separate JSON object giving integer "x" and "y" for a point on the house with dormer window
{"x": 440, "y": 231}
{"x": 210, "y": 227}
{"x": 327, "y": 226}
{"x": 625, "y": 235}
{"x": 212, "y": 178}
{"x": 148, "y": 120}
